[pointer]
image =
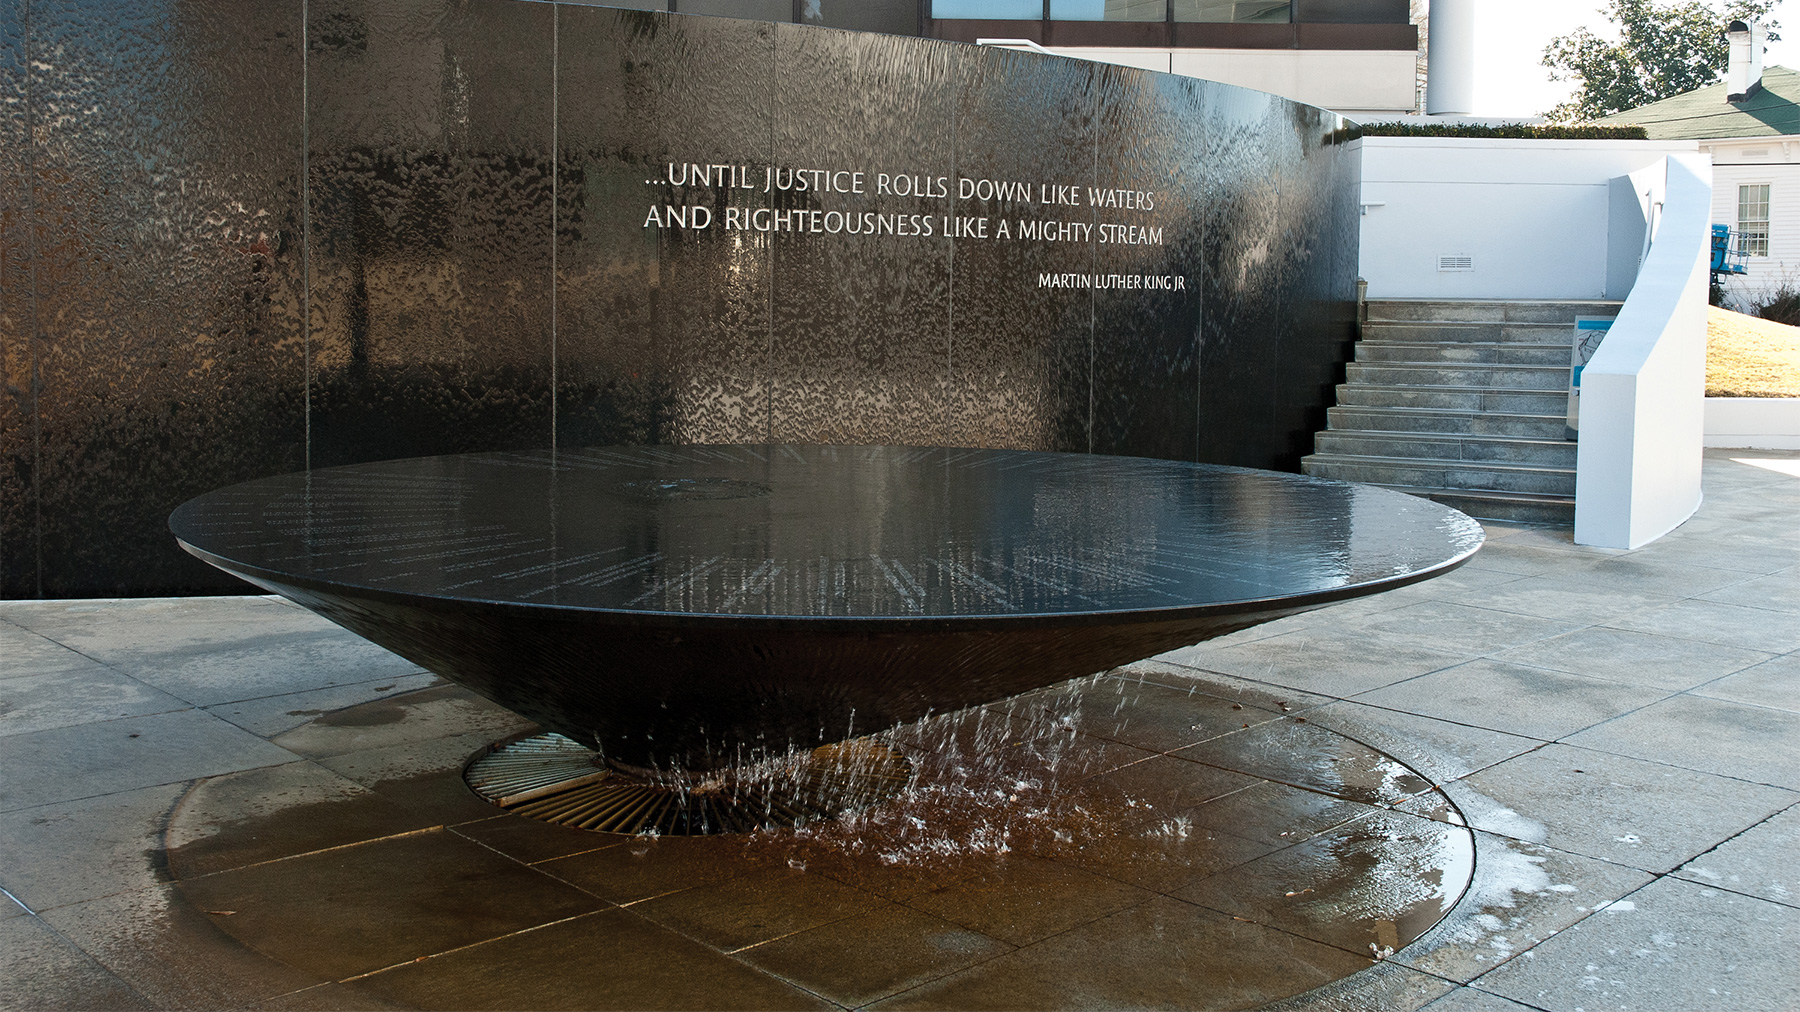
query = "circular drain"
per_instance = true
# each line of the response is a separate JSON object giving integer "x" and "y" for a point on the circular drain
{"x": 555, "y": 779}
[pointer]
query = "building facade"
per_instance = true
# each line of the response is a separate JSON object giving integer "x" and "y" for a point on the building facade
{"x": 1755, "y": 147}
{"x": 1355, "y": 57}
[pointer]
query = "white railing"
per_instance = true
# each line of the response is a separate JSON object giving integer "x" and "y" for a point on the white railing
{"x": 1643, "y": 417}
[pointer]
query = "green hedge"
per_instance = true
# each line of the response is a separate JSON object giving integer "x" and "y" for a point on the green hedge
{"x": 1519, "y": 131}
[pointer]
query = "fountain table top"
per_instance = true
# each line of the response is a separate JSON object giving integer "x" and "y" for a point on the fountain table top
{"x": 824, "y": 532}
{"x": 610, "y": 590}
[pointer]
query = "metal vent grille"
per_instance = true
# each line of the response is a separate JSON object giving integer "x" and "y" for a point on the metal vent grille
{"x": 556, "y": 779}
{"x": 1455, "y": 264}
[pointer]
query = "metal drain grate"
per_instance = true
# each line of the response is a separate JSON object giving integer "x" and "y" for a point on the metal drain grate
{"x": 556, "y": 779}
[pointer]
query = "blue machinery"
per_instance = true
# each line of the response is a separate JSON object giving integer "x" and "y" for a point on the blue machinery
{"x": 1726, "y": 260}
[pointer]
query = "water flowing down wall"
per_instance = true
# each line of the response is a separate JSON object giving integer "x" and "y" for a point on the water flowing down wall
{"x": 238, "y": 239}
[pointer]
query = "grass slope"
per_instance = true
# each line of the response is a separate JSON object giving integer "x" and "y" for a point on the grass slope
{"x": 1750, "y": 357}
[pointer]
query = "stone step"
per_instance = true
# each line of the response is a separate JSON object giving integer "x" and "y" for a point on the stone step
{"x": 1415, "y": 332}
{"x": 1550, "y": 453}
{"x": 1501, "y": 507}
{"x": 1458, "y": 475}
{"x": 1488, "y": 310}
{"x": 1454, "y": 352}
{"x": 1460, "y": 423}
{"x": 1454, "y": 398}
{"x": 1489, "y": 377}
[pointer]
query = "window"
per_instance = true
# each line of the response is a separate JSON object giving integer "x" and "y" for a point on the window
{"x": 1753, "y": 220}
{"x": 995, "y": 10}
{"x": 1108, "y": 10}
{"x": 1228, "y": 11}
{"x": 1278, "y": 12}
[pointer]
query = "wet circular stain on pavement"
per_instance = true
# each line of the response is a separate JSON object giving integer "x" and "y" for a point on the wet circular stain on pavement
{"x": 1150, "y": 837}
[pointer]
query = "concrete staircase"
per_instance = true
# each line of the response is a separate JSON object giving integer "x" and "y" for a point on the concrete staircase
{"x": 1463, "y": 402}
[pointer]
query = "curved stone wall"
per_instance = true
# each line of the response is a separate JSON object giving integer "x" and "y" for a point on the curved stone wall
{"x": 239, "y": 240}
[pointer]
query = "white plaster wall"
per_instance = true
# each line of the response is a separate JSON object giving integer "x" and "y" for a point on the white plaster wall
{"x": 1348, "y": 81}
{"x": 1772, "y": 160}
{"x": 1532, "y": 214}
{"x": 1759, "y": 423}
{"x": 1637, "y": 472}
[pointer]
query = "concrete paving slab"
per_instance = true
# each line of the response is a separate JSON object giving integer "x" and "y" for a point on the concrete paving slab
{"x": 1305, "y": 755}
{"x": 1139, "y": 958}
{"x": 332, "y": 997}
{"x": 1276, "y": 814}
{"x": 1758, "y": 556}
{"x": 1163, "y": 786}
{"x": 25, "y": 654}
{"x": 1530, "y": 560}
{"x": 1553, "y": 537}
{"x": 1243, "y": 691}
{"x": 73, "y": 696}
{"x": 1774, "y": 683}
{"x": 1166, "y": 853}
{"x": 1644, "y": 573}
{"x": 530, "y": 841}
{"x": 1025, "y": 899}
{"x": 1146, "y": 715}
{"x": 1439, "y": 749}
{"x": 1330, "y": 662}
{"x": 1758, "y": 862}
{"x": 1671, "y": 945}
{"x": 1316, "y": 888}
{"x": 353, "y": 910}
{"x": 401, "y": 719}
{"x": 54, "y": 855}
{"x": 412, "y": 775}
{"x": 88, "y": 760}
{"x": 1521, "y": 894}
{"x": 275, "y": 812}
{"x": 1779, "y": 592}
{"x": 867, "y": 958}
{"x": 1618, "y": 809}
{"x": 633, "y": 869}
{"x": 751, "y": 909}
{"x": 216, "y": 650}
{"x": 1640, "y": 658}
{"x": 1384, "y": 987}
{"x": 272, "y": 716}
{"x": 43, "y": 970}
{"x": 1752, "y": 743}
{"x": 409, "y": 760}
{"x": 642, "y": 966}
{"x": 1727, "y": 625}
{"x": 1514, "y": 698}
{"x": 1553, "y": 598}
{"x": 1461, "y": 628}
{"x": 1468, "y": 999}
{"x": 172, "y": 952}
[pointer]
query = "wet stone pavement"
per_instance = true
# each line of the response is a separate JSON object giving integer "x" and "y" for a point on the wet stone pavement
{"x": 1558, "y": 778}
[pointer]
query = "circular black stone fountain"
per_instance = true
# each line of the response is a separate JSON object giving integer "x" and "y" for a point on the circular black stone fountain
{"x": 685, "y": 609}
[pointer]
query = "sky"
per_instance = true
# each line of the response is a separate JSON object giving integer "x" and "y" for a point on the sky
{"x": 1510, "y": 36}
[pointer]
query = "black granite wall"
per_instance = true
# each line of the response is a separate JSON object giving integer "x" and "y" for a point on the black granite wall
{"x": 239, "y": 237}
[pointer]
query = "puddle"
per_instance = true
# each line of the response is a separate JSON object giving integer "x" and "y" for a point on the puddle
{"x": 998, "y": 794}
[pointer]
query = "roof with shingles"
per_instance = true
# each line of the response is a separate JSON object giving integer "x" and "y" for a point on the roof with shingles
{"x": 1772, "y": 111}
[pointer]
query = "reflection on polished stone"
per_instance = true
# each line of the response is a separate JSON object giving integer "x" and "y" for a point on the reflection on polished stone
{"x": 690, "y": 608}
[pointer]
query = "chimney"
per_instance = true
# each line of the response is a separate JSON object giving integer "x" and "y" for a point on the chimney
{"x": 1450, "y": 59}
{"x": 1745, "y": 76}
